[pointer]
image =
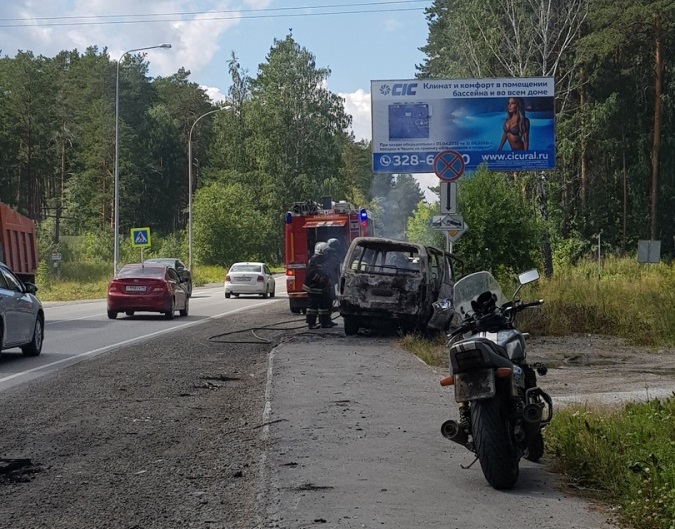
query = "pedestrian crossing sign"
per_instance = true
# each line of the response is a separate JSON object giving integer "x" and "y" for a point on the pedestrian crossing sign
{"x": 140, "y": 237}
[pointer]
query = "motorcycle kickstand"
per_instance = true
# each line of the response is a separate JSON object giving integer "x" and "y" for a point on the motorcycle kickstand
{"x": 467, "y": 468}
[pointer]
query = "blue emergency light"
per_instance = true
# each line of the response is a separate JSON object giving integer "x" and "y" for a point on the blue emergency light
{"x": 289, "y": 217}
{"x": 363, "y": 215}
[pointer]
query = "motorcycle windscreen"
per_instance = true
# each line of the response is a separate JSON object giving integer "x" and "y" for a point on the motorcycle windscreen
{"x": 475, "y": 385}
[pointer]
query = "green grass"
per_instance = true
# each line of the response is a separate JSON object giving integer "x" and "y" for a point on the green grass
{"x": 89, "y": 280}
{"x": 626, "y": 456}
{"x": 203, "y": 275}
{"x": 72, "y": 290}
{"x": 431, "y": 351}
{"x": 628, "y": 300}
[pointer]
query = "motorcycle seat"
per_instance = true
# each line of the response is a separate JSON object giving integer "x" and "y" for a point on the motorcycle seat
{"x": 477, "y": 353}
{"x": 501, "y": 351}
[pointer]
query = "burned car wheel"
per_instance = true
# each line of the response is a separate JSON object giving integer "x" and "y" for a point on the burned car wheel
{"x": 351, "y": 325}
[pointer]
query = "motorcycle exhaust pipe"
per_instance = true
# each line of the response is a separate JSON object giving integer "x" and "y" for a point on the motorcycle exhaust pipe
{"x": 532, "y": 414}
{"x": 451, "y": 430}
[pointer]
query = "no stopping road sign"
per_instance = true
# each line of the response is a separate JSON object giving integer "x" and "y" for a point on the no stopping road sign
{"x": 448, "y": 165}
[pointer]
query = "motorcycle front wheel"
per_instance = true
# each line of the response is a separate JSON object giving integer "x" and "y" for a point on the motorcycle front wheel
{"x": 494, "y": 445}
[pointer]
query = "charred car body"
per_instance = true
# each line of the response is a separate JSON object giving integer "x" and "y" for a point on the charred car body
{"x": 387, "y": 281}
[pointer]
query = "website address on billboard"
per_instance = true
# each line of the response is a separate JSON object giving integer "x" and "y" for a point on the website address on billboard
{"x": 423, "y": 162}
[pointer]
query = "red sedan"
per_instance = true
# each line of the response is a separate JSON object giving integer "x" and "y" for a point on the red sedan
{"x": 147, "y": 288}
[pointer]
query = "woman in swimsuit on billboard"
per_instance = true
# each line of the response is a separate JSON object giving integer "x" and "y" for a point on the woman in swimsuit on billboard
{"x": 516, "y": 126}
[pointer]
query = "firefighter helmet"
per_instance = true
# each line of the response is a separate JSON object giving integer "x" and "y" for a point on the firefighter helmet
{"x": 320, "y": 248}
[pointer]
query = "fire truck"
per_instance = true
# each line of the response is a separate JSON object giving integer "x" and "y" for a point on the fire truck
{"x": 308, "y": 223}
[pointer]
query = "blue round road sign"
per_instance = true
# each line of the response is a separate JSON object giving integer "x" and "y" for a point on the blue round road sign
{"x": 448, "y": 165}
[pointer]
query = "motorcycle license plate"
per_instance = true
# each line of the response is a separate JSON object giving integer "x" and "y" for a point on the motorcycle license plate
{"x": 474, "y": 385}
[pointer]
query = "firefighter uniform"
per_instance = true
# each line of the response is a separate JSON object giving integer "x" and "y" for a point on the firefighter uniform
{"x": 317, "y": 285}
{"x": 333, "y": 263}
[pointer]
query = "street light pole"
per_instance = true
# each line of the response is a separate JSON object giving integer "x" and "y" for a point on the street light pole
{"x": 227, "y": 107}
{"x": 116, "y": 250}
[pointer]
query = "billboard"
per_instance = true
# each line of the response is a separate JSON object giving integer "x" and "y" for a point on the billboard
{"x": 506, "y": 123}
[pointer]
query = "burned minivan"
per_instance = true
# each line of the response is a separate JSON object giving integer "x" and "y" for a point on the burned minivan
{"x": 387, "y": 282}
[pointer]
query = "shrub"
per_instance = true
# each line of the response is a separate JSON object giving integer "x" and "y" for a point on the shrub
{"x": 627, "y": 456}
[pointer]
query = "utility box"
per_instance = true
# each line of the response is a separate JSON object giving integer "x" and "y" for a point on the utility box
{"x": 649, "y": 251}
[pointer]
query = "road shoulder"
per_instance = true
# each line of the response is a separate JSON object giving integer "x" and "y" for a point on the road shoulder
{"x": 355, "y": 441}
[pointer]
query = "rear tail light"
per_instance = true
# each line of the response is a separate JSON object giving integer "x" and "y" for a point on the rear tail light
{"x": 504, "y": 372}
{"x": 227, "y": 278}
{"x": 467, "y": 360}
{"x": 261, "y": 279}
{"x": 159, "y": 287}
{"x": 290, "y": 272}
{"x": 113, "y": 287}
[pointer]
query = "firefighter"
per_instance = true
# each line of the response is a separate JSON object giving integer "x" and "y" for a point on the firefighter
{"x": 334, "y": 261}
{"x": 317, "y": 285}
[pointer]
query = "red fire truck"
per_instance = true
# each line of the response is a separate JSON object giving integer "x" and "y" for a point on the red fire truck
{"x": 308, "y": 223}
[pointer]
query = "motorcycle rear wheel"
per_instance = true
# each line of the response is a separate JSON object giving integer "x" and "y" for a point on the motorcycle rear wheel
{"x": 494, "y": 445}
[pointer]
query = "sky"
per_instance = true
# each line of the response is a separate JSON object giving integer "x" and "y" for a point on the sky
{"x": 358, "y": 40}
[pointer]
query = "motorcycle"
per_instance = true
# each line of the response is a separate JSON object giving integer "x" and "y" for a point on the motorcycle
{"x": 502, "y": 412}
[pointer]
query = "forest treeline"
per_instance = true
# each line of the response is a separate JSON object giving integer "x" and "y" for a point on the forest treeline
{"x": 282, "y": 137}
{"x": 613, "y": 62}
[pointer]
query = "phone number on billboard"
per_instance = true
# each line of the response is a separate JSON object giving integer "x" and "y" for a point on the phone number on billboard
{"x": 404, "y": 161}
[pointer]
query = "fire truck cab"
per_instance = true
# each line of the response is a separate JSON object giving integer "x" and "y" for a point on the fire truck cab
{"x": 308, "y": 223}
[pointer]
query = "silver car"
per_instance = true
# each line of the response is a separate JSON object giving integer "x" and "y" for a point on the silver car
{"x": 22, "y": 319}
{"x": 249, "y": 278}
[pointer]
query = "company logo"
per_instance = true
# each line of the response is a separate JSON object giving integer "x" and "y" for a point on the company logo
{"x": 399, "y": 89}
{"x": 404, "y": 89}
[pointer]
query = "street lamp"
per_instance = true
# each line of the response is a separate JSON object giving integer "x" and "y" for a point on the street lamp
{"x": 226, "y": 107}
{"x": 117, "y": 142}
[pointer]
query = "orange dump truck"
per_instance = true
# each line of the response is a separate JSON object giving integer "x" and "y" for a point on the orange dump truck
{"x": 18, "y": 247}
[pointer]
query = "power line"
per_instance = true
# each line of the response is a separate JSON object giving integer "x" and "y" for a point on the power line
{"x": 186, "y": 13}
{"x": 244, "y": 14}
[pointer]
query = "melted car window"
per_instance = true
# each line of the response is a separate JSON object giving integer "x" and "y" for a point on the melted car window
{"x": 386, "y": 260}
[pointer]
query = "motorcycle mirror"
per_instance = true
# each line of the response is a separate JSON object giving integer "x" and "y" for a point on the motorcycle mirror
{"x": 524, "y": 278}
{"x": 528, "y": 277}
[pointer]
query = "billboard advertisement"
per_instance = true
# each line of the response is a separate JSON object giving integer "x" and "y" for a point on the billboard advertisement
{"x": 506, "y": 123}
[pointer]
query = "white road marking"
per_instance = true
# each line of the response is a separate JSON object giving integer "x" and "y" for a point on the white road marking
{"x": 130, "y": 341}
{"x": 265, "y": 475}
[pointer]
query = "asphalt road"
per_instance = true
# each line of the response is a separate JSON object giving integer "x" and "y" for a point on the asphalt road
{"x": 75, "y": 331}
{"x": 228, "y": 425}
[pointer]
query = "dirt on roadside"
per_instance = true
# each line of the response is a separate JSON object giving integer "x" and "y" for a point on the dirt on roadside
{"x": 602, "y": 368}
{"x": 160, "y": 434}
